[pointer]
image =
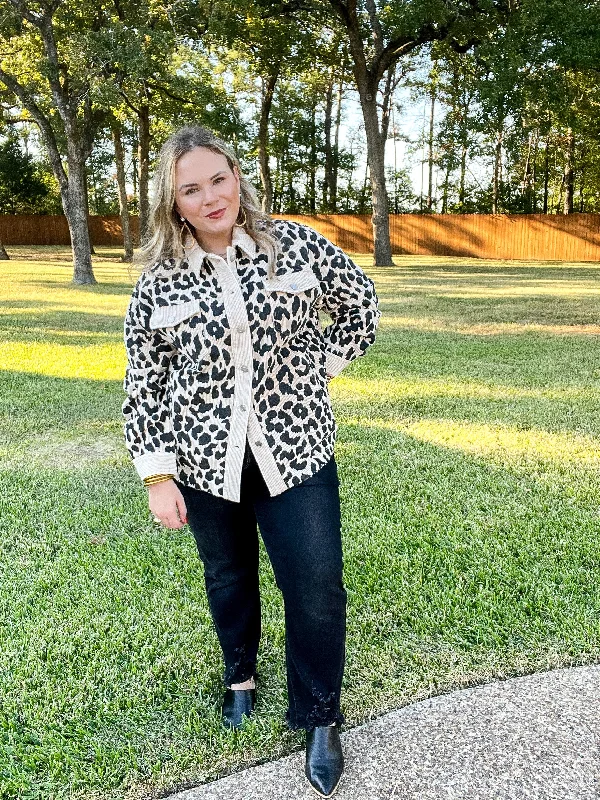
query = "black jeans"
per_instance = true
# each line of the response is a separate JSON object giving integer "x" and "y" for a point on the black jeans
{"x": 301, "y": 530}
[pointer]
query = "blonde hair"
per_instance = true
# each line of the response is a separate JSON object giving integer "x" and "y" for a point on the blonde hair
{"x": 164, "y": 239}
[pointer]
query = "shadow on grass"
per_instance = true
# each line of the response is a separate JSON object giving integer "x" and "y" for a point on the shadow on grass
{"x": 457, "y": 571}
{"x": 523, "y": 309}
{"x": 493, "y": 270}
{"x": 116, "y": 288}
{"x": 29, "y": 326}
{"x": 31, "y": 403}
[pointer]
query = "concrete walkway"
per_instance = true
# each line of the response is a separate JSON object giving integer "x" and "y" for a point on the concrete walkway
{"x": 533, "y": 737}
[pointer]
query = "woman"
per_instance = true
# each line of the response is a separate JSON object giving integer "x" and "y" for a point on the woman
{"x": 229, "y": 422}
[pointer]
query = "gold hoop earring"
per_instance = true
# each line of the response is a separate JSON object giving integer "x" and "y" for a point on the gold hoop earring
{"x": 185, "y": 230}
{"x": 243, "y": 210}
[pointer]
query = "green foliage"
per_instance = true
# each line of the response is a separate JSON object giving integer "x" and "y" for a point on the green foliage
{"x": 25, "y": 186}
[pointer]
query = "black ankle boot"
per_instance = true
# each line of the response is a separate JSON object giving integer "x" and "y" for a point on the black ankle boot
{"x": 324, "y": 759}
{"x": 237, "y": 704}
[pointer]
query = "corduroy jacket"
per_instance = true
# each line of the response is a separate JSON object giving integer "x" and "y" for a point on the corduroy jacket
{"x": 219, "y": 353}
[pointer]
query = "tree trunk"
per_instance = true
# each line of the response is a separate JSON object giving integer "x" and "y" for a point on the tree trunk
{"x": 386, "y": 103}
{"x": 134, "y": 173}
{"x": 263, "y": 139}
{"x": 291, "y": 193}
{"x": 498, "y": 168}
{"x": 362, "y": 201}
{"x": 144, "y": 167}
{"x": 312, "y": 167}
{"x": 446, "y": 188}
{"x": 430, "y": 153}
{"x": 534, "y": 172}
{"x": 3, "y": 254}
{"x": 546, "y": 173}
{"x": 463, "y": 175}
{"x": 527, "y": 178}
{"x": 123, "y": 210}
{"x": 569, "y": 175}
{"x": 559, "y": 203}
{"x": 336, "y": 147}
{"x": 277, "y": 184}
{"x": 75, "y": 207}
{"x": 328, "y": 182}
{"x": 87, "y": 206}
{"x": 382, "y": 256}
{"x": 582, "y": 181}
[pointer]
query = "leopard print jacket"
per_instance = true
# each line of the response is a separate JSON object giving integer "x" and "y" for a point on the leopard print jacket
{"x": 224, "y": 351}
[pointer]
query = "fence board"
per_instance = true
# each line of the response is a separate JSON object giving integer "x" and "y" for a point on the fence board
{"x": 575, "y": 237}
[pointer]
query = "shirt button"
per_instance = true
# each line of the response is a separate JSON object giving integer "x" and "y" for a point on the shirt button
{"x": 242, "y": 408}
{"x": 241, "y": 328}
{"x": 258, "y": 444}
{"x": 244, "y": 368}
{"x": 293, "y": 286}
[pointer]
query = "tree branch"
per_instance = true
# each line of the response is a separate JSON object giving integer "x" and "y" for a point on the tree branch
{"x": 375, "y": 27}
{"x": 26, "y": 13}
{"x": 128, "y": 102}
{"x": 402, "y": 45}
{"x": 168, "y": 93}
{"x": 42, "y": 122}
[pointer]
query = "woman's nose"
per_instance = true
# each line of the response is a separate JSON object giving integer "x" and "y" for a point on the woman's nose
{"x": 209, "y": 195}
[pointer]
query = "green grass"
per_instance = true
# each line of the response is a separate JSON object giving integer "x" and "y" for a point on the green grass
{"x": 468, "y": 452}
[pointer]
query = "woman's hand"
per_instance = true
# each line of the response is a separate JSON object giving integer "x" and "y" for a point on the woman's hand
{"x": 167, "y": 504}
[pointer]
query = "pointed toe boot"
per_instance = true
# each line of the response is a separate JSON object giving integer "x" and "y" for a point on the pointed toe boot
{"x": 324, "y": 759}
{"x": 237, "y": 704}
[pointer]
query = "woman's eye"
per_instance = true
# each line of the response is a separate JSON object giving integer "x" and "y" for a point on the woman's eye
{"x": 191, "y": 190}
{"x": 219, "y": 179}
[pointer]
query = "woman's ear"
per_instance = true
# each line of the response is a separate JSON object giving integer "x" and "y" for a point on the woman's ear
{"x": 236, "y": 172}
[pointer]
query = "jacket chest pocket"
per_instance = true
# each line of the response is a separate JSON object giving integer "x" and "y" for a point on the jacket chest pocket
{"x": 291, "y": 298}
{"x": 183, "y": 326}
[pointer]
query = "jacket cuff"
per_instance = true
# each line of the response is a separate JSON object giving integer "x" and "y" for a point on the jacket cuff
{"x": 335, "y": 364}
{"x": 160, "y": 463}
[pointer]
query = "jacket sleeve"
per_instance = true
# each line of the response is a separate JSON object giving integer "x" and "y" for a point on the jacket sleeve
{"x": 349, "y": 298}
{"x": 148, "y": 432}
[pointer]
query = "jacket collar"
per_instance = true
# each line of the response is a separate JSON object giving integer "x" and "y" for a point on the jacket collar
{"x": 196, "y": 254}
{"x": 239, "y": 239}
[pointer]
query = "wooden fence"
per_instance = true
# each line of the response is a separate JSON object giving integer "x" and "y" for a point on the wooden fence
{"x": 513, "y": 236}
{"x": 53, "y": 229}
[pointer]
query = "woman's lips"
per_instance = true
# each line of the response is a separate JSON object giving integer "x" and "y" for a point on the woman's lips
{"x": 216, "y": 214}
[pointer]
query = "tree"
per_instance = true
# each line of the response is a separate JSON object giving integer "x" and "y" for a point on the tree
{"x": 45, "y": 68}
{"x": 273, "y": 47}
{"x": 379, "y": 35}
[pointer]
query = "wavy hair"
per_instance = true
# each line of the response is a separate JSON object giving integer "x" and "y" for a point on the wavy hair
{"x": 164, "y": 239}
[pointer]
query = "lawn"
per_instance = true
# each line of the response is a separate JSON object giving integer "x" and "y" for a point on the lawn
{"x": 468, "y": 450}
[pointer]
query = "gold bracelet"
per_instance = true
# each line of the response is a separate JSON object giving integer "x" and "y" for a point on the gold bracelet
{"x": 150, "y": 480}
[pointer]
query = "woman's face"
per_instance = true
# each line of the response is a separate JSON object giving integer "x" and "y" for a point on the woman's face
{"x": 207, "y": 194}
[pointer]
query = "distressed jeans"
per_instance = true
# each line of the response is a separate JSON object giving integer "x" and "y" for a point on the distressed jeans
{"x": 301, "y": 530}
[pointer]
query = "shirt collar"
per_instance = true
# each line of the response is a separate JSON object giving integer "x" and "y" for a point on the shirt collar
{"x": 240, "y": 238}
